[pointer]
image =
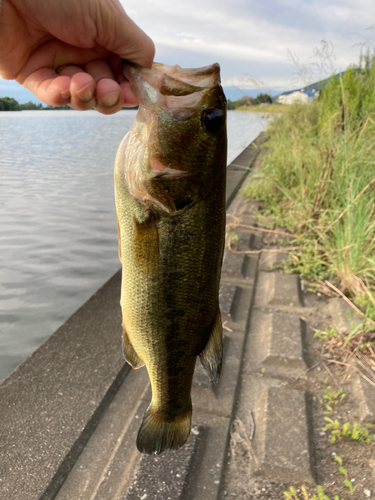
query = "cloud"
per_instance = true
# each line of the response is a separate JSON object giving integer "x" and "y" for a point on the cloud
{"x": 253, "y": 37}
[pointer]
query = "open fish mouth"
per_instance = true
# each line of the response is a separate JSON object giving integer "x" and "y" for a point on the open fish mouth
{"x": 161, "y": 83}
{"x": 180, "y": 110}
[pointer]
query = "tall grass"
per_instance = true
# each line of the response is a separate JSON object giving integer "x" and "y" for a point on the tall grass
{"x": 318, "y": 180}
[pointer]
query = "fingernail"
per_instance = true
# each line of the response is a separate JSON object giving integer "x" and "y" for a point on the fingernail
{"x": 86, "y": 94}
{"x": 65, "y": 94}
{"x": 110, "y": 100}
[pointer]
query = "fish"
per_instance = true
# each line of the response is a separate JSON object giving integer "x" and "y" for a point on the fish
{"x": 170, "y": 178}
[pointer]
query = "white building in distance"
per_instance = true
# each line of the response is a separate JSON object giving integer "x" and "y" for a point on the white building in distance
{"x": 297, "y": 96}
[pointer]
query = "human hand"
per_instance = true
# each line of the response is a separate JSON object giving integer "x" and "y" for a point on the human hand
{"x": 69, "y": 52}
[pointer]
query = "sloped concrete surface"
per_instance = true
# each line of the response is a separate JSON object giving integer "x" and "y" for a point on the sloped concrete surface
{"x": 70, "y": 414}
{"x": 51, "y": 404}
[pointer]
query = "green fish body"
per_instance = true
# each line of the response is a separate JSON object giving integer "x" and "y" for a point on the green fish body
{"x": 170, "y": 173}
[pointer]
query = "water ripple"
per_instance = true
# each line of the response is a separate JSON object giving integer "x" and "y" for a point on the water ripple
{"x": 58, "y": 241}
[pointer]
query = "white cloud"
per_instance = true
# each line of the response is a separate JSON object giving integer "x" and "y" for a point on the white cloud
{"x": 253, "y": 36}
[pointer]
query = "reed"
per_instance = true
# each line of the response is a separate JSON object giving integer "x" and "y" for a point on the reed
{"x": 318, "y": 180}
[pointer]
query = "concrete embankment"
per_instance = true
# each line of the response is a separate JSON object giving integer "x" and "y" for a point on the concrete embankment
{"x": 70, "y": 413}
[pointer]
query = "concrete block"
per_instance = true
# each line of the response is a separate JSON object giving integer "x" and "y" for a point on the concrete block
{"x": 235, "y": 179}
{"x": 238, "y": 170}
{"x": 283, "y": 440}
{"x": 343, "y": 316}
{"x": 218, "y": 398}
{"x": 269, "y": 260}
{"x": 238, "y": 318}
{"x": 364, "y": 394}
{"x": 276, "y": 345}
{"x": 163, "y": 477}
{"x": 277, "y": 290}
{"x": 245, "y": 241}
{"x": 228, "y": 297}
{"x": 208, "y": 461}
{"x": 246, "y": 158}
{"x": 284, "y": 341}
{"x": 234, "y": 265}
{"x": 107, "y": 462}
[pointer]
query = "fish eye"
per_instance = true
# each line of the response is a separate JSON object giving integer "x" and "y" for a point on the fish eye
{"x": 213, "y": 120}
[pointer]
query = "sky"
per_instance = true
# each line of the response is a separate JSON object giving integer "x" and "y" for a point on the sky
{"x": 255, "y": 40}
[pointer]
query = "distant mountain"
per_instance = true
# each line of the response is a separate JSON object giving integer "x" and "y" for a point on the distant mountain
{"x": 313, "y": 87}
{"x": 234, "y": 93}
{"x": 10, "y": 88}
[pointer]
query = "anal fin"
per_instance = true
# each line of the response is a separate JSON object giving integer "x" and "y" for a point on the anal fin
{"x": 130, "y": 355}
{"x": 212, "y": 355}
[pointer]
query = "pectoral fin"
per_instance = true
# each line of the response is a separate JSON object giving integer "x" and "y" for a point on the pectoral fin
{"x": 158, "y": 195}
{"x": 212, "y": 355}
{"x": 146, "y": 245}
{"x": 130, "y": 355}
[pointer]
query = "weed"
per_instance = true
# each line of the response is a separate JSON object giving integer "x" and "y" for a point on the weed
{"x": 292, "y": 494}
{"x": 331, "y": 399}
{"x": 360, "y": 339}
{"x": 329, "y": 332}
{"x": 344, "y": 472}
{"x": 354, "y": 431}
{"x": 318, "y": 181}
{"x": 234, "y": 239}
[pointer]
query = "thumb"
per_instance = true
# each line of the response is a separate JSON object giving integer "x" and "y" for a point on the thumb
{"x": 119, "y": 34}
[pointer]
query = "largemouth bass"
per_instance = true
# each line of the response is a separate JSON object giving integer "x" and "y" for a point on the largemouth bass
{"x": 170, "y": 174}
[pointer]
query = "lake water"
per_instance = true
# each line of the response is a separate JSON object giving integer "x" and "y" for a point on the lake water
{"x": 58, "y": 240}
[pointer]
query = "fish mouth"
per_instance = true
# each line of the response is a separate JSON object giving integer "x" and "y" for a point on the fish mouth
{"x": 171, "y": 87}
{"x": 164, "y": 144}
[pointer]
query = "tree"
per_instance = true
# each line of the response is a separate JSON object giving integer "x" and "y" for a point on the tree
{"x": 263, "y": 98}
{"x": 8, "y": 104}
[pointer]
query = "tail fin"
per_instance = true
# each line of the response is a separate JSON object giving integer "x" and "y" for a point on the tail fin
{"x": 158, "y": 434}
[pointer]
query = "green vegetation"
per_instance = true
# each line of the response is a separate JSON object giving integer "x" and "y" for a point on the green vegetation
{"x": 344, "y": 472}
{"x": 246, "y": 101}
{"x": 360, "y": 339}
{"x": 318, "y": 181}
{"x": 331, "y": 399}
{"x": 10, "y": 104}
{"x": 354, "y": 431}
{"x": 292, "y": 494}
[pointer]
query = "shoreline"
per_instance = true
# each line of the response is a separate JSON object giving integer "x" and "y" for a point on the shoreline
{"x": 54, "y": 401}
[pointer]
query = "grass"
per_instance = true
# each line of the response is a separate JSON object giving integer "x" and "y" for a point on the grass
{"x": 352, "y": 431}
{"x": 292, "y": 494}
{"x": 318, "y": 181}
{"x": 355, "y": 431}
{"x": 344, "y": 473}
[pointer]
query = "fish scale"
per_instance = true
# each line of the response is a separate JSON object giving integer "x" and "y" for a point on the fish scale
{"x": 171, "y": 238}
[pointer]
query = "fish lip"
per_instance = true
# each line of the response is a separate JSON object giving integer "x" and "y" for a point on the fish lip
{"x": 154, "y": 85}
{"x": 172, "y": 174}
{"x": 132, "y": 72}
